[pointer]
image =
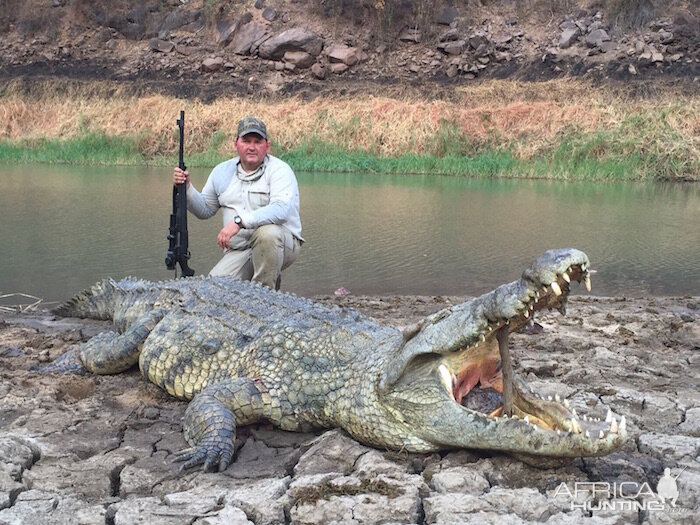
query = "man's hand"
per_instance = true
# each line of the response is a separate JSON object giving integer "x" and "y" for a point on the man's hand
{"x": 226, "y": 233}
{"x": 180, "y": 176}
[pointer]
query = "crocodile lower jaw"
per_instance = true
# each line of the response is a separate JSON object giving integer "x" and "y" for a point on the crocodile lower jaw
{"x": 479, "y": 369}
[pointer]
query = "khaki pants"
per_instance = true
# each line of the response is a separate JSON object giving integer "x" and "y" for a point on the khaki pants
{"x": 271, "y": 249}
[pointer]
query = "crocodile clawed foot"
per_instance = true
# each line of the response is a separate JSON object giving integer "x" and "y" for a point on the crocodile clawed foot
{"x": 212, "y": 456}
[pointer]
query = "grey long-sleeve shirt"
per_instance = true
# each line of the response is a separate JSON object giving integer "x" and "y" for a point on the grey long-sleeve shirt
{"x": 271, "y": 199}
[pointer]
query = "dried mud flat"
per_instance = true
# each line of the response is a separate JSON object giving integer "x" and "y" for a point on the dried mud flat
{"x": 99, "y": 449}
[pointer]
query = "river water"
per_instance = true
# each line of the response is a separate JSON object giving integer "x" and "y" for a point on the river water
{"x": 63, "y": 228}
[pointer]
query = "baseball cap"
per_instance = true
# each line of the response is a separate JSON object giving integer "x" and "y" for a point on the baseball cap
{"x": 252, "y": 125}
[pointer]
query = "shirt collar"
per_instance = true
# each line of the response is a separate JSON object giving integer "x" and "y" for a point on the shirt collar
{"x": 252, "y": 176}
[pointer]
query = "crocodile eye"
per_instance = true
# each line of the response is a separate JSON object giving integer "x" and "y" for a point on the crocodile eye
{"x": 211, "y": 346}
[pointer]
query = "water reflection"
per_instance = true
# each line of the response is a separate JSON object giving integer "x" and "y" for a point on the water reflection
{"x": 63, "y": 228}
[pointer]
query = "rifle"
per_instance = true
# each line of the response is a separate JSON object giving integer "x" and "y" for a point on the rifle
{"x": 178, "y": 249}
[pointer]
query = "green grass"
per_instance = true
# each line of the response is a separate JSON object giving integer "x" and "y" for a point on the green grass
{"x": 87, "y": 148}
{"x": 616, "y": 155}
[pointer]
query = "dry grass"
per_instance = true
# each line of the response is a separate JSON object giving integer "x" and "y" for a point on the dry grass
{"x": 529, "y": 118}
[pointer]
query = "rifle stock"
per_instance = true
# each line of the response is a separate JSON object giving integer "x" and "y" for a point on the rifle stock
{"x": 178, "y": 245}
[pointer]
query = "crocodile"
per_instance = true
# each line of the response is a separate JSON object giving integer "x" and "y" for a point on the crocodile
{"x": 242, "y": 353}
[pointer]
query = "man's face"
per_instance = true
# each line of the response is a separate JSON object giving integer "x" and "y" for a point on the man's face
{"x": 252, "y": 149}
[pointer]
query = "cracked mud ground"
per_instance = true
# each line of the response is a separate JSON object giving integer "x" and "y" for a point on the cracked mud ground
{"x": 99, "y": 449}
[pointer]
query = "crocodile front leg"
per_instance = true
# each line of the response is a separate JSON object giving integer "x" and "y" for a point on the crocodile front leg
{"x": 213, "y": 414}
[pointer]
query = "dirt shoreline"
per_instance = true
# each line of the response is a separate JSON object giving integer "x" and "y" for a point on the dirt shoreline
{"x": 99, "y": 449}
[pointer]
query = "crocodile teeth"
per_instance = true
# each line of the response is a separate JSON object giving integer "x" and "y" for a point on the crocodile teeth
{"x": 527, "y": 419}
{"x": 549, "y": 398}
{"x": 575, "y": 427}
{"x": 609, "y": 417}
{"x": 585, "y": 417}
{"x": 566, "y": 277}
{"x": 588, "y": 435}
{"x": 623, "y": 424}
{"x": 555, "y": 288}
{"x": 446, "y": 378}
{"x": 587, "y": 282}
{"x": 557, "y": 398}
{"x": 482, "y": 338}
{"x": 566, "y": 403}
{"x": 526, "y": 314}
{"x": 613, "y": 426}
{"x": 601, "y": 435}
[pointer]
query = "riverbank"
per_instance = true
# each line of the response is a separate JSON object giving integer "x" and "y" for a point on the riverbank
{"x": 99, "y": 449}
{"x": 562, "y": 129}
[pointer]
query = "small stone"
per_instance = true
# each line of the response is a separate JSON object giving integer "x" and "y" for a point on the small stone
{"x": 269, "y": 14}
{"x": 319, "y": 71}
{"x": 212, "y": 64}
{"x": 339, "y": 68}
{"x": 161, "y": 46}
{"x": 665, "y": 37}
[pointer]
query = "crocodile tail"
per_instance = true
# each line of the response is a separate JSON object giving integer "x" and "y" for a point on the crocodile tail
{"x": 94, "y": 303}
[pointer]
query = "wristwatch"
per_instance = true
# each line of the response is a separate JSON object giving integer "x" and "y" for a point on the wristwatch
{"x": 237, "y": 219}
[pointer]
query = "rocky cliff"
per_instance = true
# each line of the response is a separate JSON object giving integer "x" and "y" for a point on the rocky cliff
{"x": 272, "y": 47}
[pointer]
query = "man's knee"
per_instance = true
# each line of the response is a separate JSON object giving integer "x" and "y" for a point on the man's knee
{"x": 268, "y": 235}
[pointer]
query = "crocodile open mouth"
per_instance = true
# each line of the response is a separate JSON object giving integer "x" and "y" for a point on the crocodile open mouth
{"x": 479, "y": 376}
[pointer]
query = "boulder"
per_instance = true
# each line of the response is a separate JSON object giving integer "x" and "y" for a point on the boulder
{"x": 300, "y": 59}
{"x": 691, "y": 424}
{"x": 608, "y": 47}
{"x": 224, "y": 31}
{"x": 247, "y": 37}
{"x": 342, "y": 53}
{"x": 39, "y": 506}
{"x": 569, "y": 37}
{"x": 682, "y": 449}
{"x": 597, "y": 37}
{"x": 295, "y": 39}
{"x": 478, "y": 40}
{"x": 446, "y": 15}
{"x": 179, "y": 18}
{"x": 452, "y": 48}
